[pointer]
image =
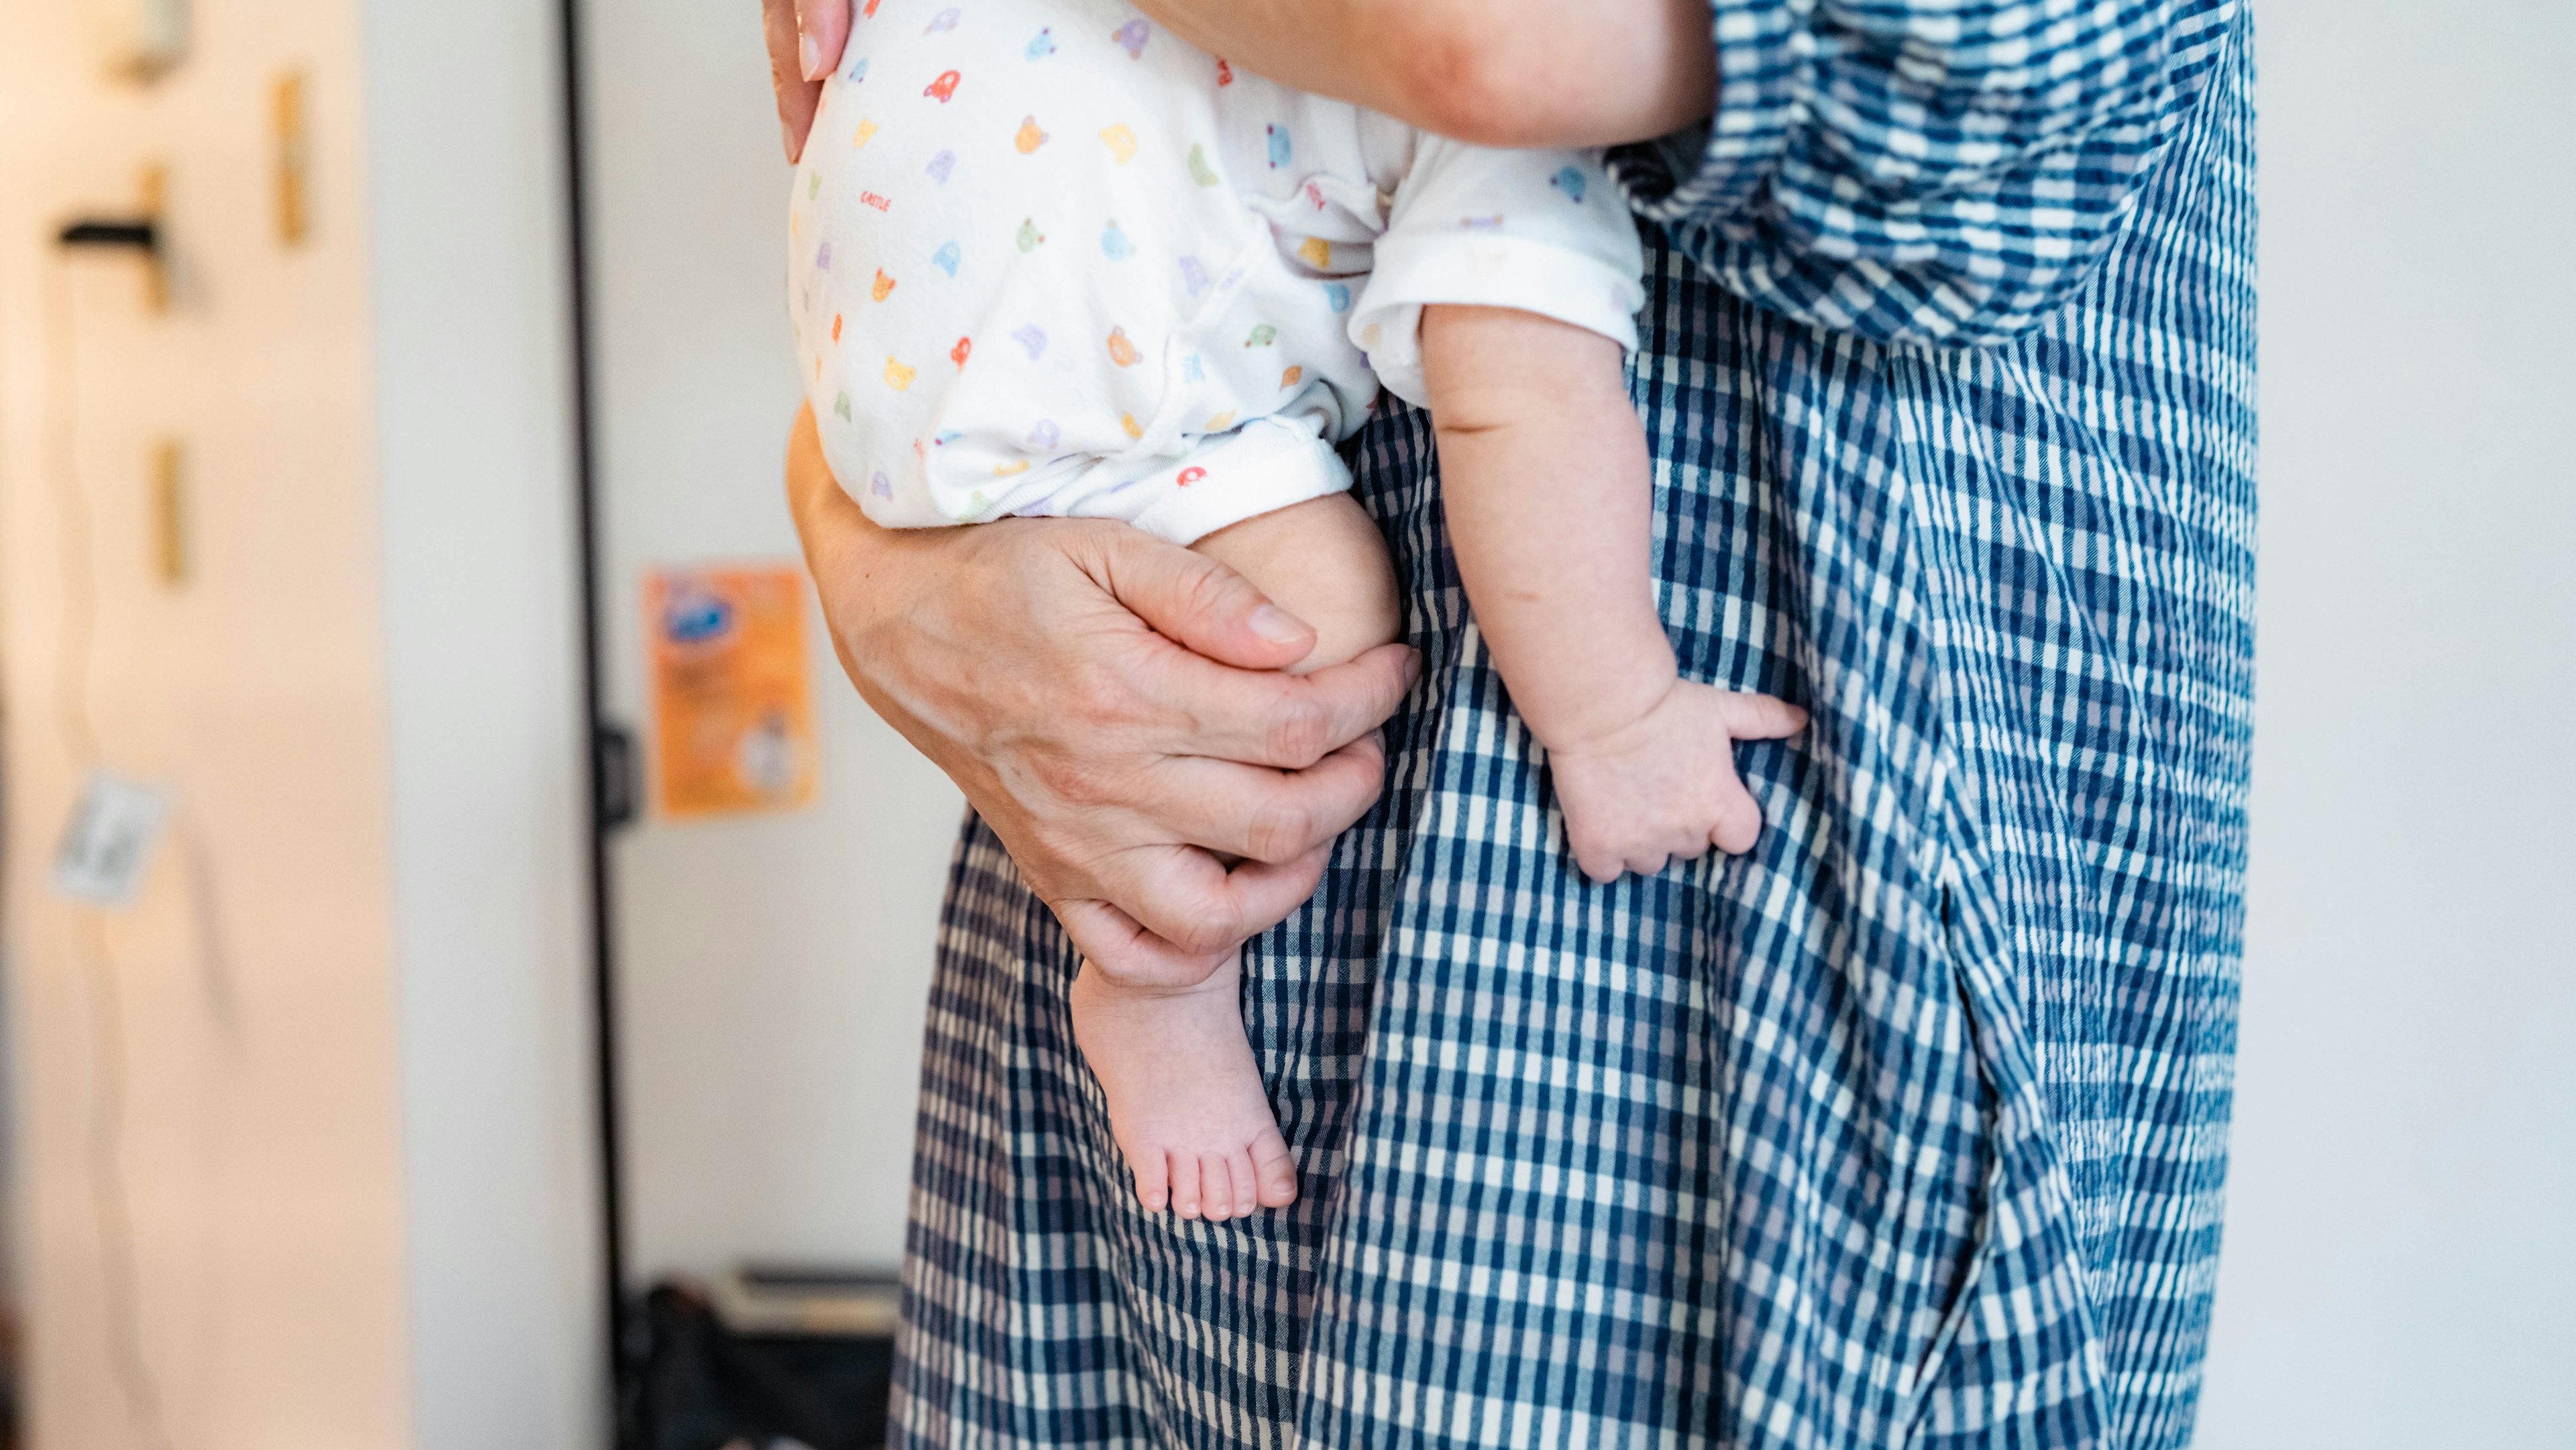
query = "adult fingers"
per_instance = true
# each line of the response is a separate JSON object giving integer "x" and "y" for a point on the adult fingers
{"x": 1288, "y": 722}
{"x": 1120, "y": 947}
{"x": 1759, "y": 717}
{"x": 1189, "y": 899}
{"x": 823, "y": 30}
{"x": 1198, "y": 603}
{"x": 797, "y": 96}
{"x": 1199, "y": 907}
{"x": 1185, "y": 912}
{"x": 1256, "y": 814}
{"x": 1221, "y": 688}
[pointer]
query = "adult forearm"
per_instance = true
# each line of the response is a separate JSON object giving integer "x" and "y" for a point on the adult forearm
{"x": 866, "y": 570}
{"x": 1340, "y": 48}
{"x": 1494, "y": 72}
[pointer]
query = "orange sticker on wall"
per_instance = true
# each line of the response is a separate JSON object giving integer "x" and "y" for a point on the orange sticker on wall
{"x": 733, "y": 708}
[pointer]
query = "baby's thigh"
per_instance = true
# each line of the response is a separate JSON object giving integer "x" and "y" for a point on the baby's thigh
{"x": 1323, "y": 561}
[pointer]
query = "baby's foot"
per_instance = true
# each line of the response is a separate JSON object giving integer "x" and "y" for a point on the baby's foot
{"x": 1185, "y": 1099}
{"x": 1663, "y": 786}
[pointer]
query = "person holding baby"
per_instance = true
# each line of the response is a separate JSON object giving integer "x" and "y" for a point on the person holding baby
{"x": 1603, "y": 661}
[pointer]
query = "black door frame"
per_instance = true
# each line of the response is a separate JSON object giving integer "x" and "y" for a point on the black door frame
{"x": 611, "y": 789}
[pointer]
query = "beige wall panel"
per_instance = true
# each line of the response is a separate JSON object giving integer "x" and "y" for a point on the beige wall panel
{"x": 253, "y": 982}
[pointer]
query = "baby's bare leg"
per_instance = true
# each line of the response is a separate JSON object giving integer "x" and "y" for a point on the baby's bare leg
{"x": 1324, "y": 562}
{"x": 1185, "y": 1097}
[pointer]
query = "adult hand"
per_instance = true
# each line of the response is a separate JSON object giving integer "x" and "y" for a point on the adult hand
{"x": 805, "y": 41}
{"x": 1111, "y": 705}
{"x": 1493, "y": 72}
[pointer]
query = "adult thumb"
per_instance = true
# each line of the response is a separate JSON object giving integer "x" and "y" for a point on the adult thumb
{"x": 822, "y": 30}
{"x": 1200, "y": 604}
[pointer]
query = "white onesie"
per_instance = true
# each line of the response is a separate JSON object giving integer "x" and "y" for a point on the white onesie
{"x": 1049, "y": 259}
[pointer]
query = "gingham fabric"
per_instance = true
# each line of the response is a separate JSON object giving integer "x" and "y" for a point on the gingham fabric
{"x": 1909, "y": 1128}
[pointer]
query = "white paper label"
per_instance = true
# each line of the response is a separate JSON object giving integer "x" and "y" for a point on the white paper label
{"x": 107, "y": 844}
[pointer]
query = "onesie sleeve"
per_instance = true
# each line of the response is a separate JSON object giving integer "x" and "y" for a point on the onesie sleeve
{"x": 1920, "y": 171}
{"x": 1539, "y": 231}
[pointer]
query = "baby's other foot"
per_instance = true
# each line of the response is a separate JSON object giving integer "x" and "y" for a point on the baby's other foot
{"x": 1663, "y": 786}
{"x": 1185, "y": 1099}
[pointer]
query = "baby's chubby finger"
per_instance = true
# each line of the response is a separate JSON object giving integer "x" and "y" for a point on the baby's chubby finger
{"x": 1739, "y": 820}
{"x": 1760, "y": 717}
{"x": 1599, "y": 859}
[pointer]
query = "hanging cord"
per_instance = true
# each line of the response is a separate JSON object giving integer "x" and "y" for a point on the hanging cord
{"x": 111, "y": 1195}
{"x": 111, "y": 1199}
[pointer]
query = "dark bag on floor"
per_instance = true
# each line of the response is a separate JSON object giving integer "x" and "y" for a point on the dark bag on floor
{"x": 700, "y": 1386}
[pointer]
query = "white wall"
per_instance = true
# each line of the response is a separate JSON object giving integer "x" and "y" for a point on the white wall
{"x": 2401, "y": 1238}
{"x": 773, "y": 970}
{"x": 474, "y": 426}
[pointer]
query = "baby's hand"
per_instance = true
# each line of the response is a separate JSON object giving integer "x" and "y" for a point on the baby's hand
{"x": 1664, "y": 785}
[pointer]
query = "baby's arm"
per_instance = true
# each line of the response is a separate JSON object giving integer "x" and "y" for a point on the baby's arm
{"x": 1544, "y": 473}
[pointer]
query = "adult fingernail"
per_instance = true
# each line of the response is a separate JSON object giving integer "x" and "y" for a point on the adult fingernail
{"x": 1277, "y": 625}
{"x": 787, "y": 139}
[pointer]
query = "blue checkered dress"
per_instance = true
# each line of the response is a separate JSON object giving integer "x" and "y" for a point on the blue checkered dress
{"x": 1908, "y": 1129}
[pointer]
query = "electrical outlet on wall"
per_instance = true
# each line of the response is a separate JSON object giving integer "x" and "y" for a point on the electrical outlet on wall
{"x": 140, "y": 39}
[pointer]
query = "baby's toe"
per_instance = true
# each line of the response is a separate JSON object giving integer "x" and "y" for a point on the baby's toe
{"x": 1153, "y": 1179}
{"x": 1247, "y": 1182}
{"x": 1274, "y": 1171}
{"x": 1216, "y": 1187}
{"x": 1185, "y": 1184}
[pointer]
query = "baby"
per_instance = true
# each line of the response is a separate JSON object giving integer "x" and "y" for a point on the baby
{"x": 1048, "y": 259}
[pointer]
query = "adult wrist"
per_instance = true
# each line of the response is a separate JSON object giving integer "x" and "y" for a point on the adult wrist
{"x": 855, "y": 564}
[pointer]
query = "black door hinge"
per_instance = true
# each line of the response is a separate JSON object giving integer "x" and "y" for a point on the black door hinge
{"x": 615, "y": 781}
